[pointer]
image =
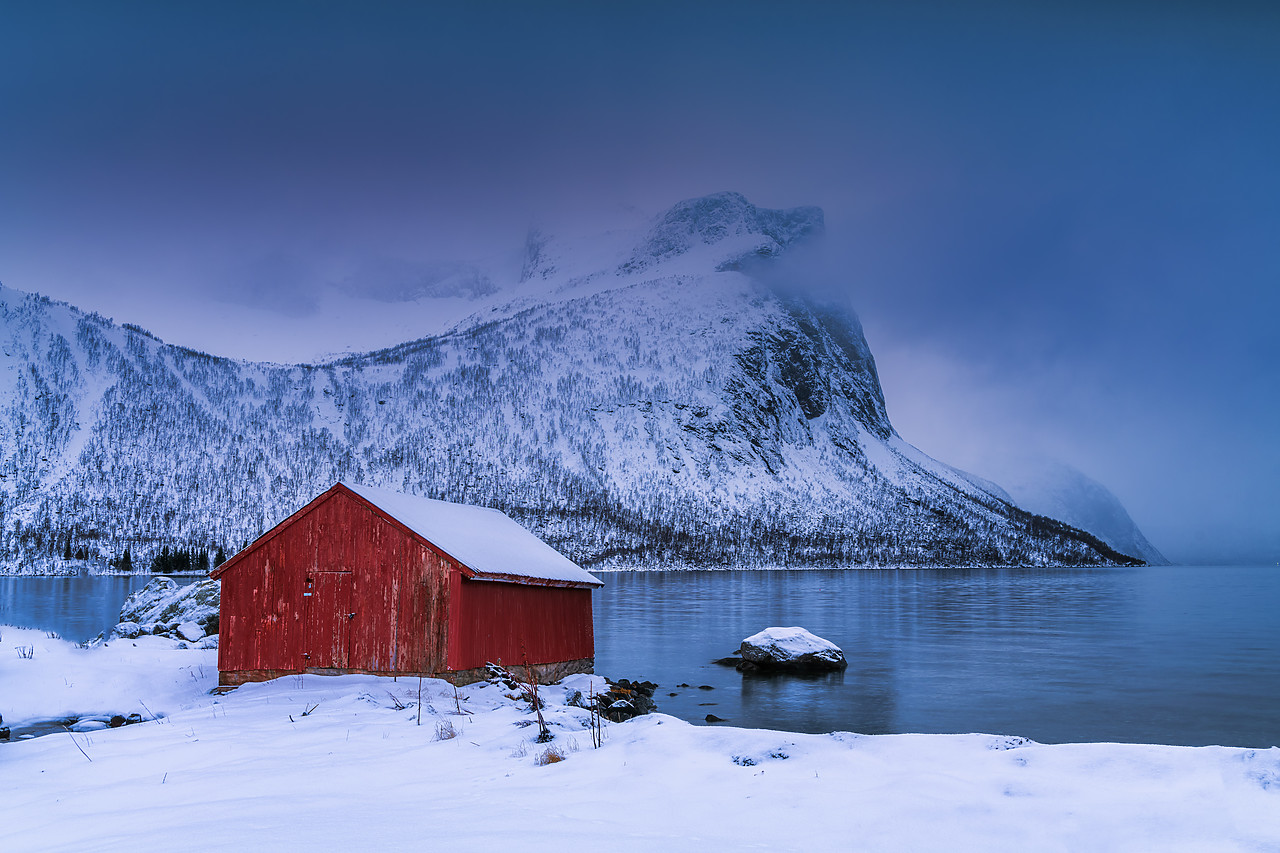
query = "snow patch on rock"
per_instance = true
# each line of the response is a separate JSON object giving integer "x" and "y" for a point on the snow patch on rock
{"x": 190, "y": 631}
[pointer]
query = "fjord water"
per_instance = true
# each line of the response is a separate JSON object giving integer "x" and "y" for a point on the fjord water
{"x": 1165, "y": 654}
{"x": 76, "y": 607}
{"x": 1176, "y": 655}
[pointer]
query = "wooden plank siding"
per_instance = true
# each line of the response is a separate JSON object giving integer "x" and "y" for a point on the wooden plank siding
{"x": 394, "y": 589}
{"x": 507, "y": 622}
{"x": 341, "y": 587}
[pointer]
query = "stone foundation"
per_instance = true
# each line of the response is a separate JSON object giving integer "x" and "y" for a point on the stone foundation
{"x": 546, "y": 673}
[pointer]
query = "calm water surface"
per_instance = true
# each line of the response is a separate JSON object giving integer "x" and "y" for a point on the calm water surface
{"x": 1179, "y": 655}
{"x": 77, "y": 607}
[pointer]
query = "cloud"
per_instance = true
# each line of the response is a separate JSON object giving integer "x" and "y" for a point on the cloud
{"x": 398, "y": 280}
{"x": 277, "y": 282}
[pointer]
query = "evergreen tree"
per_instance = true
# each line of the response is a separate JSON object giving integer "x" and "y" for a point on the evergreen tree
{"x": 219, "y": 558}
{"x": 66, "y": 552}
{"x": 126, "y": 561}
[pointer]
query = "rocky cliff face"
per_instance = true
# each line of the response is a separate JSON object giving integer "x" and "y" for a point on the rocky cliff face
{"x": 651, "y": 403}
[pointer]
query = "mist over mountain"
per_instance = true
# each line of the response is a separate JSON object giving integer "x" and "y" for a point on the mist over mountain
{"x": 1060, "y": 491}
{"x": 643, "y": 397}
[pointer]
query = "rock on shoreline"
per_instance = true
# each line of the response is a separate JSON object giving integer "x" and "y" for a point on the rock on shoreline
{"x": 163, "y": 608}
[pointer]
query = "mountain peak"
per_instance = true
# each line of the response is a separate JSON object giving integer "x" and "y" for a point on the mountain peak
{"x": 681, "y": 416}
{"x": 724, "y": 218}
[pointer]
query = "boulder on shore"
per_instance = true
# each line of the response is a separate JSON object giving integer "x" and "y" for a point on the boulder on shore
{"x": 126, "y": 631}
{"x": 164, "y": 602}
{"x": 625, "y": 699}
{"x": 790, "y": 650}
{"x": 166, "y": 609}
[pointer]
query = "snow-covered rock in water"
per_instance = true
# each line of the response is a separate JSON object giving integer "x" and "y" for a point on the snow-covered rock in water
{"x": 165, "y": 608}
{"x": 793, "y": 649}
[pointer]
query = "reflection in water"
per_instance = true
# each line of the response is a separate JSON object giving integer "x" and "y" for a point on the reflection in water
{"x": 78, "y": 607}
{"x": 1165, "y": 654}
{"x": 804, "y": 700}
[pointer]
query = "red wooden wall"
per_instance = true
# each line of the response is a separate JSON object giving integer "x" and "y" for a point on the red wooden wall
{"x": 286, "y": 604}
{"x": 338, "y": 586}
{"x": 504, "y": 621}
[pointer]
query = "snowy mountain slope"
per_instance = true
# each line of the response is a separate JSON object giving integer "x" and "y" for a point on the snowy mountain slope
{"x": 641, "y": 399}
{"x": 1060, "y": 491}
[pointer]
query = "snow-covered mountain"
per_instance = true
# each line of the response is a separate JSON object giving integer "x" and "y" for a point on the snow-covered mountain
{"x": 1058, "y": 490}
{"x": 638, "y": 398}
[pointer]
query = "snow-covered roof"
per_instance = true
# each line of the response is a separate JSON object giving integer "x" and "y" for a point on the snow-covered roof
{"x": 484, "y": 540}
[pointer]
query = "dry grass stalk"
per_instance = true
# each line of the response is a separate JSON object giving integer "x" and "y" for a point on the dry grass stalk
{"x": 535, "y": 701}
{"x": 550, "y": 755}
{"x": 597, "y": 721}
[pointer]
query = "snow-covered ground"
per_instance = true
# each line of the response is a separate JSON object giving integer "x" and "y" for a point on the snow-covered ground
{"x": 252, "y": 770}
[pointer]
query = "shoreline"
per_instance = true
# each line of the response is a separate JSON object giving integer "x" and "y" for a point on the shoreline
{"x": 363, "y": 762}
{"x": 12, "y": 637}
{"x": 627, "y": 569}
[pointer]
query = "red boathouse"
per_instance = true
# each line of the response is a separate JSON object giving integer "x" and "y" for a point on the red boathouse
{"x": 373, "y": 581}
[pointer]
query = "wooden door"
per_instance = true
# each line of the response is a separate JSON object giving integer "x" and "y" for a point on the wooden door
{"x": 327, "y": 619}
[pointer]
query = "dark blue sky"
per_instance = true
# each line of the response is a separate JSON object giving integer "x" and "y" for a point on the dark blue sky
{"x": 1059, "y": 222}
